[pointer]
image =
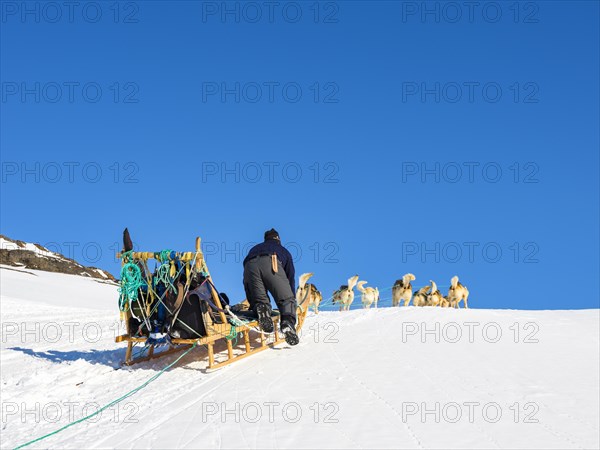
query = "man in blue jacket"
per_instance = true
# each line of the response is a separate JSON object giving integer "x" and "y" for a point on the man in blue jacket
{"x": 269, "y": 268}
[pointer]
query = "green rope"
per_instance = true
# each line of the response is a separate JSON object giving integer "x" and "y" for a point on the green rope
{"x": 126, "y": 256}
{"x": 163, "y": 275}
{"x": 164, "y": 270}
{"x": 114, "y": 402}
{"x": 235, "y": 322}
{"x": 131, "y": 281}
{"x": 233, "y": 335}
{"x": 164, "y": 255}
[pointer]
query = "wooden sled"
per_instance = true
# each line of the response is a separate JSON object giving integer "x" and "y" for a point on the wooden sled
{"x": 221, "y": 350}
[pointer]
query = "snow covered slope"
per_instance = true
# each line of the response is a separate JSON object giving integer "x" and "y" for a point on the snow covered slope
{"x": 386, "y": 378}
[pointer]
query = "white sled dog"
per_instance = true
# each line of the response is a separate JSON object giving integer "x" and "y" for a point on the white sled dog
{"x": 345, "y": 294}
{"x": 369, "y": 295}
{"x": 457, "y": 293}
{"x": 402, "y": 290}
{"x": 420, "y": 297}
{"x": 308, "y": 294}
{"x": 435, "y": 297}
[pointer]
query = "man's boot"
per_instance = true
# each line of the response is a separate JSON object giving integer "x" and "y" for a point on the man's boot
{"x": 263, "y": 311}
{"x": 289, "y": 331}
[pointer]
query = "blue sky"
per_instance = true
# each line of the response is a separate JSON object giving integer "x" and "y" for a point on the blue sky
{"x": 377, "y": 137}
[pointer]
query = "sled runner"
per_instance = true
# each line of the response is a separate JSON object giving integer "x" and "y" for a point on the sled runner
{"x": 178, "y": 306}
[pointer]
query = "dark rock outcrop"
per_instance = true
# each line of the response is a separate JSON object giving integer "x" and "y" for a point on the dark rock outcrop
{"x": 20, "y": 254}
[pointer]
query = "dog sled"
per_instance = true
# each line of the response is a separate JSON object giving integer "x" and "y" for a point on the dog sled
{"x": 177, "y": 306}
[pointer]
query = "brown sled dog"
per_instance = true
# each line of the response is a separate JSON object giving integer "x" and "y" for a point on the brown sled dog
{"x": 420, "y": 297}
{"x": 402, "y": 290}
{"x": 457, "y": 293}
{"x": 307, "y": 294}
{"x": 344, "y": 296}
{"x": 369, "y": 295}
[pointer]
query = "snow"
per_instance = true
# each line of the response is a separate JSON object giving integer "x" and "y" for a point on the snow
{"x": 360, "y": 379}
{"x": 101, "y": 272}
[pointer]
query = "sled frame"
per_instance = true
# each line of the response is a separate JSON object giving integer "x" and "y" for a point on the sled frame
{"x": 215, "y": 332}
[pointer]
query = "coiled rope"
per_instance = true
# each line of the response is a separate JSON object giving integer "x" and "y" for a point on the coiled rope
{"x": 131, "y": 281}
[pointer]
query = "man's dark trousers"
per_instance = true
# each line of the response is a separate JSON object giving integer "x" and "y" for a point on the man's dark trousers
{"x": 259, "y": 278}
